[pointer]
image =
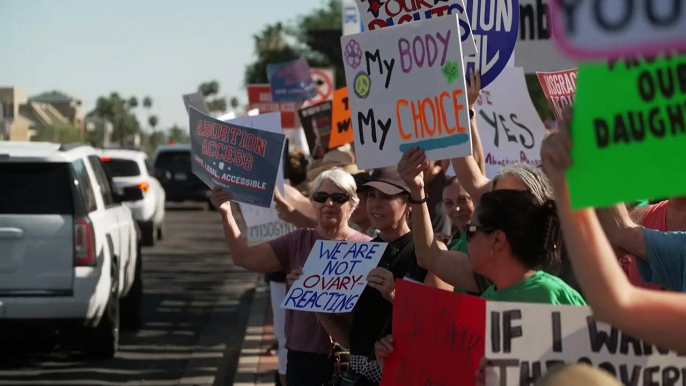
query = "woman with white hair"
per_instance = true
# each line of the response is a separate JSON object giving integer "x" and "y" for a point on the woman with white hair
{"x": 334, "y": 199}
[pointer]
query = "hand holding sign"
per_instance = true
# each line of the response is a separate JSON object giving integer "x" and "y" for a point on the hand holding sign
{"x": 221, "y": 200}
{"x": 382, "y": 280}
{"x": 411, "y": 169}
{"x": 383, "y": 349}
{"x": 555, "y": 151}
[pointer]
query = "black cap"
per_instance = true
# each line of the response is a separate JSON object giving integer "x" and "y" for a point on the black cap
{"x": 388, "y": 181}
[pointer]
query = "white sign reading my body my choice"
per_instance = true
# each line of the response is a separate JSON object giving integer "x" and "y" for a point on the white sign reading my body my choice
{"x": 509, "y": 126}
{"x": 524, "y": 341}
{"x": 255, "y": 215}
{"x": 408, "y": 90}
{"x": 613, "y": 29}
{"x": 334, "y": 276}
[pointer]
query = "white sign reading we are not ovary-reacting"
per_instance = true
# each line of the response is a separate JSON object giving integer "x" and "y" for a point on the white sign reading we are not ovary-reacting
{"x": 524, "y": 341}
{"x": 334, "y": 276}
{"x": 407, "y": 89}
{"x": 613, "y": 29}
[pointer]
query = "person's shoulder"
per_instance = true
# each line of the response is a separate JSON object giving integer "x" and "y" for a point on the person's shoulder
{"x": 560, "y": 291}
{"x": 360, "y": 237}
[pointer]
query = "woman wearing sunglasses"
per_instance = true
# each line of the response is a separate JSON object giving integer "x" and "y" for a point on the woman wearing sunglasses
{"x": 334, "y": 199}
{"x": 388, "y": 207}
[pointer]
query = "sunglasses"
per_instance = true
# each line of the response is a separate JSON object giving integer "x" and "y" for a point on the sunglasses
{"x": 470, "y": 230}
{"x": 336, "y": 198}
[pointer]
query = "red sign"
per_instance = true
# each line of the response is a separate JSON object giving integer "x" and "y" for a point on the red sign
{"x": 439, "y": 337}
{"x": 260, "y": 97}
{"x": 323, "y": 78}
{"x": 559, "y": 88}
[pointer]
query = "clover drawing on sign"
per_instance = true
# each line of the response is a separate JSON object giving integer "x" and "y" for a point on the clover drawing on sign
{"x": 353, "y": 53}
{"x": 450, "y": 71}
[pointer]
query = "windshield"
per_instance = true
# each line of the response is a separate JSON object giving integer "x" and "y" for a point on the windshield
{"x": 173, "y": 160}
{"x": 123, "y": 167}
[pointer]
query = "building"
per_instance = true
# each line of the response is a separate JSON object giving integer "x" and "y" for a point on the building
{"x": 22, "y": 117}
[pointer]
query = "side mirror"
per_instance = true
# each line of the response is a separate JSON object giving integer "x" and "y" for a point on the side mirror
{"x": 133, "y": 193}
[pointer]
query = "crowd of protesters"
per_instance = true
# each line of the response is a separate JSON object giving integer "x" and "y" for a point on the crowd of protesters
{"x": 511, "y": 238}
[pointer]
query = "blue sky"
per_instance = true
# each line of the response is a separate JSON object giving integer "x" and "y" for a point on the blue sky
{"x": 161, "y": 48}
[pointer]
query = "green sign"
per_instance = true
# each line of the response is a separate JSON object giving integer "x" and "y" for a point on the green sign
{"x": 629, "y": 132}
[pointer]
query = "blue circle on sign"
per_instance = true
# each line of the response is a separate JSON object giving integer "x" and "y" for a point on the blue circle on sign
{"x": 495, "y": 31}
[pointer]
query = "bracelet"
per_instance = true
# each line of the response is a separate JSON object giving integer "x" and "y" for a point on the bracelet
{"x": 418, "y": 202}
{"x": 472, "y": 113}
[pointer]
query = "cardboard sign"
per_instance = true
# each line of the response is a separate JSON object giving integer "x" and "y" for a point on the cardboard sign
{"x": 379, "y": 14}
{"x": 316, "y": 123}
{"x": 510, "y": 128}
{"x": 613, "y": 29}
{"x": 323, "y": 80}
{"x": 341, "y": 127}
{"x": 408, "y": 90}
{"x": 334, "y": 276}
{"x": 352, "y": 24}
{"x": 535, "y": 50}
{"x": 629, "y": 132}
{"x": 438, "y": 337}
{"x": 269, "y": 231}
{"x": 559, "y": 89}
{"x": 197, "y": 101}
{"x": 260, "y": 97}
{"x": 526, "y": 340}
{"x": 256, "y": 215}
{"x": 242, "y": 160}
{"x": 291, "y": 81}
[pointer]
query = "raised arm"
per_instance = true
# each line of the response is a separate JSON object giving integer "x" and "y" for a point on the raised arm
{"x": 289, "y": 213}
{"x": 654, "y": 316}
{"x": 256, "y": 258}
{"x": 452, "y": 267}
{"x": 621, "y": 231}
{"x": 473, "y": 93}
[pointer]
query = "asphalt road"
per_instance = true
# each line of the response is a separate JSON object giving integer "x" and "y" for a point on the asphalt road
{"x": 196, "y": 308}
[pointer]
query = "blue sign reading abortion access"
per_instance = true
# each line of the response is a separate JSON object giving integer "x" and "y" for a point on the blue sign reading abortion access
{"x": 242, "y": 160}
{"x": 291, "y": 81}
{"x": 495, "y": 25}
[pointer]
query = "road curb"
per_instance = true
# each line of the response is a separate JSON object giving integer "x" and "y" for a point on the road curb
{"x": 248, "y": 368}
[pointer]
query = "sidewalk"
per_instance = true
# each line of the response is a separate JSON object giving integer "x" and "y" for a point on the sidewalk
{"x": 256, "y": 366}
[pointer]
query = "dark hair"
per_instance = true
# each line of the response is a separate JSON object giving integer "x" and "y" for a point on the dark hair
{"x": 450, "y": 182}
{"x": 361, "y": 178}
{"x": 296, "y": 170}
{"x": 532, "y": 229}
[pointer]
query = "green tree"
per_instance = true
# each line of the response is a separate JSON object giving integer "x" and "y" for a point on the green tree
{"x": 178, "y": 135}
{"x": 211, "y": 90}
{"x": 147, "y": 102}
{"x": 316, "y": 37}
{"x": 60, "y": 133}
{"x": 118, "y": 111}
{"x": 132, "y": 102}
{"x": 538, "y": 97}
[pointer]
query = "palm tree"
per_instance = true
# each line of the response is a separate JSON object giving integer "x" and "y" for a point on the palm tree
{"x": 152, "y": 121}
{"x": 147, "y": 102}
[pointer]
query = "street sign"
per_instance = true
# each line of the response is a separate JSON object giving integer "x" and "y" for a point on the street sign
{"x": 324, "y": 78}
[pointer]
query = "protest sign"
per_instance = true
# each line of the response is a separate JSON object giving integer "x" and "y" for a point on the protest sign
{"x": 197, "y": 101}
{"x": 316, "y": 123}
{"x": 511, "y": 130}
{"x": 334, "y": 276}
{"x": 341, "y": 128}
{"x": 256, "y": 215}
{"x": 559, "y": 88}
{"x": 323, "y": 80}
{"x": 352, "y": 24}
{"x": 242, "y": 160}
{"x": 291, "y": 81}
{"x": 377, "y": 14}
{"x": 260, "y": 97}
{"x": 438, "y": 337}
{"x": 628, "y": 131}
{"x": 408, "y": 91}
{"x": 269, "y": 231}
{"x": 494, "y": 25}
{"x": 614, "y": 29}
{"x": 535, "y": 50}
{"x": 524, "y": 341}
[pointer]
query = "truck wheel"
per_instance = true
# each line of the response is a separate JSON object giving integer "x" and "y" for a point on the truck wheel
{"x": 148, "y": 233}
{"x": 132, "y": 303}
{"x": 102, "y": 341}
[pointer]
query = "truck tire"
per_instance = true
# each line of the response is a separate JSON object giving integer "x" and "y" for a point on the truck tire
{"x": 132, "y": 303}
{"x": 102, "y": 341}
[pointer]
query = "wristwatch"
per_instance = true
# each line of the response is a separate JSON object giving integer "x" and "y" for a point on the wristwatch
{"x": 418, "y": 202}
{"x": 472, "y": 113}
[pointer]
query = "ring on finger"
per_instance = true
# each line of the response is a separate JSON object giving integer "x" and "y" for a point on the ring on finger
{"x": 406, "y": 163}
{"x": 383, "y": 280}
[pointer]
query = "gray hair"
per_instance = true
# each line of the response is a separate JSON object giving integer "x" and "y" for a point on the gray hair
{"x": 340, "y": 178}
{"x": 533, "y": 178}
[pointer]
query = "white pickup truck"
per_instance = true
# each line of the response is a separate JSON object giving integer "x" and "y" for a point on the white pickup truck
{"x": 69, "y": 250}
